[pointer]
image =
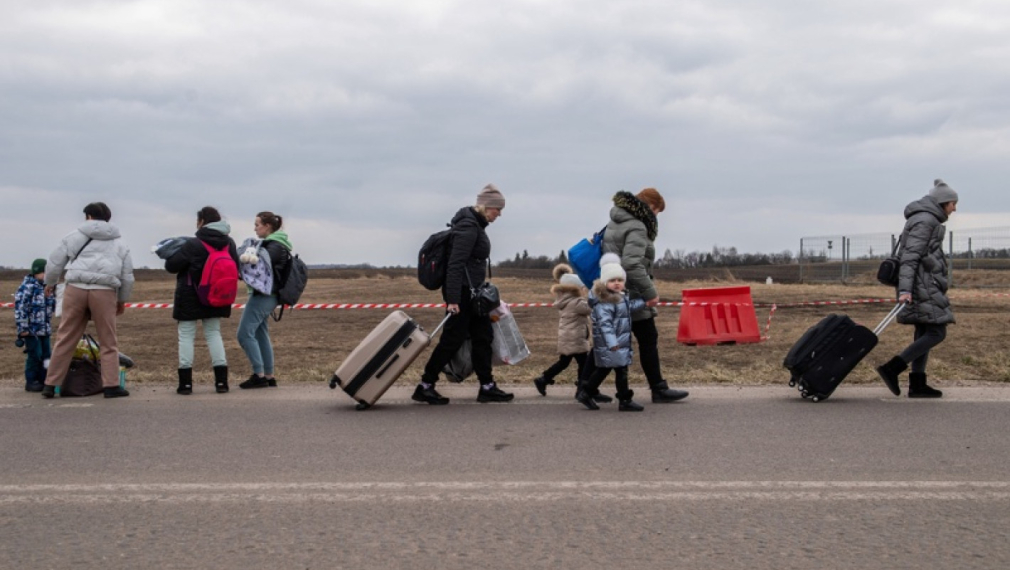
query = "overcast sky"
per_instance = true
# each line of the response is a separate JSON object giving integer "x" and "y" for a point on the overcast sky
{"x": 368, "y": 124}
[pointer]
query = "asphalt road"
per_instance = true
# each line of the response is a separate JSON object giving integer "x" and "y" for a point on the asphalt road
{"x": 293, "y": 477}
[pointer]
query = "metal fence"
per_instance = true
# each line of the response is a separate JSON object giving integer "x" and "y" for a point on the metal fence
{"x": 978, "y": 257}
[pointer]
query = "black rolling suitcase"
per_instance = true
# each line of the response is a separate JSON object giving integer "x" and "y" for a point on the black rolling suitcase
{"x": 828, "y": 351}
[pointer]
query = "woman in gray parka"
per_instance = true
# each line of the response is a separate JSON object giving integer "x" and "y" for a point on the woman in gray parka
{"x": 922, "y": 285}
{"x": 631, "y": 234}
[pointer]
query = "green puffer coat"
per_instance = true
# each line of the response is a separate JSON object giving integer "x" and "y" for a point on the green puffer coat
{"x": 923, "y": 270}
{"x": 631, "y": 234}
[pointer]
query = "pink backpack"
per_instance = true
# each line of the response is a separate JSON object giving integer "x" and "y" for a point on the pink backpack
{"x": 219, "y": 282}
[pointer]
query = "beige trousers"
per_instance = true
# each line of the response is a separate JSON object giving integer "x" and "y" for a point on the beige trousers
{"x": 77, "y": 304}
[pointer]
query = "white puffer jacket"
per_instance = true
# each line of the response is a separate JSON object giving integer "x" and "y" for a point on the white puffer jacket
{"x": 104, "y": 261}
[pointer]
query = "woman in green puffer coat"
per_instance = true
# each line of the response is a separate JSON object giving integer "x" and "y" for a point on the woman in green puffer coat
{"x": 922, "y": 285}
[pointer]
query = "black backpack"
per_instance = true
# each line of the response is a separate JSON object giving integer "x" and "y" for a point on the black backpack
{"x": 293, "y": 285}
{"x": 433, "y": 260}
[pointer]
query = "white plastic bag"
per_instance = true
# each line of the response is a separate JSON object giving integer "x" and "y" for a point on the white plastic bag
{"x": 508, "y": 346}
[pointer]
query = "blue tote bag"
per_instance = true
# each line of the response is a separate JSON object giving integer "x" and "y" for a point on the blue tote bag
{"x": 584, "y": 257}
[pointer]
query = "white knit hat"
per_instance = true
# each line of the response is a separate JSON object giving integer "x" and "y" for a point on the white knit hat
{"x": 610, "y": 268}
{"x": 571, "y": 280}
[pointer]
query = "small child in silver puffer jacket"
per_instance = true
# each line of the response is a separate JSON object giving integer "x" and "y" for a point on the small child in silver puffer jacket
{"x": 611, "y": 314}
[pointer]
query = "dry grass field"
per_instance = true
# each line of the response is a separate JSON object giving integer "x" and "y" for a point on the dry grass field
{"x": 309, "y": 344}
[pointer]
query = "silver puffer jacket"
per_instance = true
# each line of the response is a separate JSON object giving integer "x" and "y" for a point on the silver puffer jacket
{"x": 612, "y": 325}
{"x": 923, "y": 270}
{"x": 104, "y": 261}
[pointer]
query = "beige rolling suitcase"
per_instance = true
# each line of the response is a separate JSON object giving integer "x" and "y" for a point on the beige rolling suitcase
{"x": 381, "y": 357}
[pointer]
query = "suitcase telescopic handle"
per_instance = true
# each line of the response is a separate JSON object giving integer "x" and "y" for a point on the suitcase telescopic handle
{"x": 441, "y": 324}
{"x": 889, "y": 318}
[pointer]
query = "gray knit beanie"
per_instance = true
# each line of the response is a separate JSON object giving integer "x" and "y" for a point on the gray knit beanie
{"x": 491, "y": 197}
{"x": 942, "y": 193}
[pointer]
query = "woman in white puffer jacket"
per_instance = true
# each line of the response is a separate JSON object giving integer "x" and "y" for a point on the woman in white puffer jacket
{"x": 99, "y": 279}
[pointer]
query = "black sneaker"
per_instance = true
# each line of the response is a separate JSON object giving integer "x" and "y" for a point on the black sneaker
{"x": 429, "y": 395}
{"x": 255, "y": 381}
{"x": 493, "y": 394}
{"x": 49, "y": 391}
{"x": 34, "y": 387}
{"x": 116, "y": 392}
{"x": 601, "y": 398}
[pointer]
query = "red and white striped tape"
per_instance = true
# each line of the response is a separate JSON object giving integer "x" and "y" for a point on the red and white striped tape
{"x": 825, "y": 303}
{"x": 317, "y": 306}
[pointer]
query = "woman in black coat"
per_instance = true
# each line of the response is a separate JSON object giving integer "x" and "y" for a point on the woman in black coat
{"x": 471, "y": 250}
{"x": 187, "y": 264}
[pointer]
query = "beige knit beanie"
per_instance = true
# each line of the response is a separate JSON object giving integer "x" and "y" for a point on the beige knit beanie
{"x": 491, "y": 197}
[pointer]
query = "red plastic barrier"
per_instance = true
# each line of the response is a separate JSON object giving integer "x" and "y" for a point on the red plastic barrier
{"x": 723, "y": 315}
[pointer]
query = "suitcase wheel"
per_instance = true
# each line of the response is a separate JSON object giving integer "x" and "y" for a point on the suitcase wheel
{"x": 792, "y": 383}
{"x": 362, "y": 406}
{"x": 805, "y": 394}
{"x": 815, "y": 399}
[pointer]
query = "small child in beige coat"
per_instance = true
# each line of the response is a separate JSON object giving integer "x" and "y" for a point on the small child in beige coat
{"x": 574, "y": 327}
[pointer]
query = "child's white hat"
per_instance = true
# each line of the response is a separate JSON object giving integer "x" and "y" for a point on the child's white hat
{"x": 610, "y": 268}
{"x": 571, "y": 280}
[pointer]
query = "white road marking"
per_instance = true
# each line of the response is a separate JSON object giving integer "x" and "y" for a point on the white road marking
{"x": 508, "y": 491}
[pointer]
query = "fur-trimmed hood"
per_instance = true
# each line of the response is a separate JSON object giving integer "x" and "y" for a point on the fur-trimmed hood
{"x": 604, "y": 295}
{"x": 565, "y": 290}
{"x": 561, "y": 269}
{"x": 611, "y": 315}
{"x": 638, "y": 210}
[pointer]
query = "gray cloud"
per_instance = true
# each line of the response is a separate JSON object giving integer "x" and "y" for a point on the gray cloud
{"x": 367, "y": 124}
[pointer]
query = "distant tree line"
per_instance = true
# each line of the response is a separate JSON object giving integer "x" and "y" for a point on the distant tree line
{"x": 986, "y": 253}
{"x": 671, "y": 259}
{"x": 526, "y": 261}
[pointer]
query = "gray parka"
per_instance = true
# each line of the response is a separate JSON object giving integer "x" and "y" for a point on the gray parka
{"x": 923, "y": 270}
{"x": 573, "y": 324}
{"x": 104, "y": 261}
{"x": 612, "y": 325}
{"x": 631, "y": 234}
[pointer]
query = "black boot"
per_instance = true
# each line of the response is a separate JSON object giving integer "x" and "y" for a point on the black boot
{"x": 889, "y": 372}
{"x": 629, "y": 406}
{"x": 917, "y": 387}
{"x": 586, "y": 400}
{"x": 185, "y": 382}
{"x": 116, "y": 392}
{"x": 541, "y": 383}
{"x": 48, "y": 391}
{"x": 626, "y": 404}
{"x": 221, "y": 379}
{"x": 663, "y": 394}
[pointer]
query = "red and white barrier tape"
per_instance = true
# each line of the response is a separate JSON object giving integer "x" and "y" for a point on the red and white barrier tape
{"x": 317, "y": 306}
{"x": 768, "y": 325}
{"x": 825, "y": 303}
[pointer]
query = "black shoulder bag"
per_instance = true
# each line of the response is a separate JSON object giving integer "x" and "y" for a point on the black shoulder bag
{"x": 890, "y": 268}
{"x": 484, "y": 298}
